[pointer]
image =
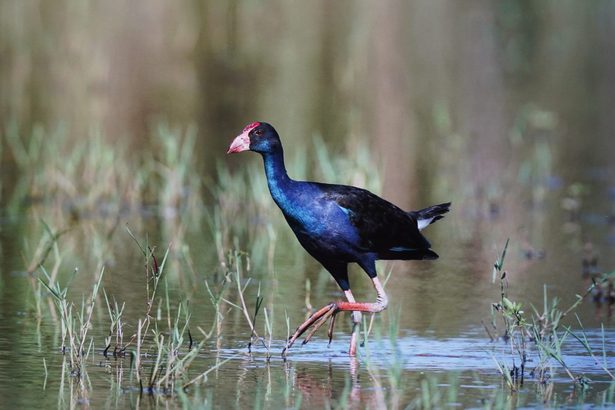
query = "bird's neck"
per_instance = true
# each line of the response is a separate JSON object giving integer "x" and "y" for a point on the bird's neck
{"x": 277, "y": 178}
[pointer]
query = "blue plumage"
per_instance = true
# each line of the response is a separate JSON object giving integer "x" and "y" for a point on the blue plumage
{"x": 339, "y": 224}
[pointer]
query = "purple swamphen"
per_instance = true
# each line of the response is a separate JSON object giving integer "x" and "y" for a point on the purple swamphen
{"x": 337, "y": 225}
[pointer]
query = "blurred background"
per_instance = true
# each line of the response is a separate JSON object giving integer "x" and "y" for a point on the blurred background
{"x": 505, "y": 108}
{"x": 420, "y": 80}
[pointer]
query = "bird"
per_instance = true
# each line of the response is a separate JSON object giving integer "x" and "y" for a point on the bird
{"x": 338, "y": 225}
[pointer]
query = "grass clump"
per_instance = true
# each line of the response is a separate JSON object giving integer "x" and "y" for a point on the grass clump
{"x": 75, "y": 323}
{"x": 540, "y": 334}
{"x": 94, "y": 176}
{"x": 161, "y": 350}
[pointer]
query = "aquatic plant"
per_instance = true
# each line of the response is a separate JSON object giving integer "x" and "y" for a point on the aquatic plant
{"x": 75, "y": 322}
{"x": 542, "y": 330}
{"x": 95, "y": 176}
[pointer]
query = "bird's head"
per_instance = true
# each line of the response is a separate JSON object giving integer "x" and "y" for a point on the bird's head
{"x": 258, "y": 137}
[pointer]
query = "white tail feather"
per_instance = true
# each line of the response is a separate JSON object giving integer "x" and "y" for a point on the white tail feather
{"x": 422, "y": 223}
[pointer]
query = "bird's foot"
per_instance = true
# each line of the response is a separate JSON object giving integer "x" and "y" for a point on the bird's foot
{"x": 331, "y": 310}
{"x": 317, "y": 319}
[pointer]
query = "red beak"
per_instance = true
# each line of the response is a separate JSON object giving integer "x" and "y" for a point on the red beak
{"x": 241, "y": 143}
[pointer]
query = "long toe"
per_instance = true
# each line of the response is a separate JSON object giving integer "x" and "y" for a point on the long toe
{"x": 323, "y": 319}
{"x": 316, "y": 320}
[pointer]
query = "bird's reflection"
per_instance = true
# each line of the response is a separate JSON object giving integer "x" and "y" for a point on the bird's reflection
{"x": 349, "y": 393}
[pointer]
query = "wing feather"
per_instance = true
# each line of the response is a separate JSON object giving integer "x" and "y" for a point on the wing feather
{"x": 382, "y": 226}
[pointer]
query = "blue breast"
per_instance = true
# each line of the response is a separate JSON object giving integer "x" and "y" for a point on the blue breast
{"x": 306, "y": 209}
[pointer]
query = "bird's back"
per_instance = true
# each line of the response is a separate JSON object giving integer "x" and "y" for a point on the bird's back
{"x": 381, "y": 224}
{"x": 348, "y": 219}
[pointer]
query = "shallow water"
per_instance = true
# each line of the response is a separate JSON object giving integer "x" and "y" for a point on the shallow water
{"x": 439, "y": 308}
{"x": 319, "y": 374}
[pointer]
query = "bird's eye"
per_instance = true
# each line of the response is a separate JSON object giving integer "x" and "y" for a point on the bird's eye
{"x": 258, "y": 133}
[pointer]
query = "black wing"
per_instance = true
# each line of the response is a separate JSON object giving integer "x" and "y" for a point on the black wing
{"x": 383, "y": 227}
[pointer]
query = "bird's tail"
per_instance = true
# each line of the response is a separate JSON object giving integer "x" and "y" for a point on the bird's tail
{"x": 431, "y": 214}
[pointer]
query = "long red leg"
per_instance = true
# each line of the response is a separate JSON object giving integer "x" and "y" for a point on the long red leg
{"x": 329, "y": 311}
{"x": 356, "y": 326}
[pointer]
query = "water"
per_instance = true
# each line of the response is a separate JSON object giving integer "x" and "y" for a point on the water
{"x": 439, "y": 308}
{"x": 320, "y": 373}
{"x": 505, "y": 109}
